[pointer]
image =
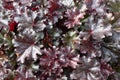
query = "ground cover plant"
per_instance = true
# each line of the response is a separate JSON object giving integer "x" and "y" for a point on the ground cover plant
{"x": 59, "y": 39}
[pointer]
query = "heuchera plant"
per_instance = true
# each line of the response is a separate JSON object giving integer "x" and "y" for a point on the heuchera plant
{"x": 59, "y": 40}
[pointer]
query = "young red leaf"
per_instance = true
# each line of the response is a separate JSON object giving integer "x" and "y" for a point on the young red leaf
{"x": 12, "y": 25}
